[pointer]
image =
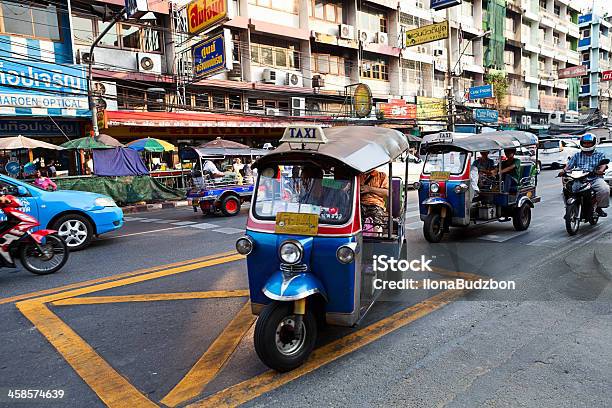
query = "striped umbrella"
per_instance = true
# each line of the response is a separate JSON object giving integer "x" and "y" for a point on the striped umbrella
{"x": 150, "y": 144}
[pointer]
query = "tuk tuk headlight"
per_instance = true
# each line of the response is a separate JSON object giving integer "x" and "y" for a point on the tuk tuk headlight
{"x": 244, "y": 245}
{"x": 291, "y": 252}
{"x": 416, "y": 185}
{"x": 345, "y": 254}
{"x": 434, "y": 187}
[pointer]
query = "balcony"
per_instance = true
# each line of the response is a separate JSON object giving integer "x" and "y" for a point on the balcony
{"x": 585, "y": 89}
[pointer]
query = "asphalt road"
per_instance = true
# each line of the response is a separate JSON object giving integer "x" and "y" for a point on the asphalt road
{"x": 154, "y": 314}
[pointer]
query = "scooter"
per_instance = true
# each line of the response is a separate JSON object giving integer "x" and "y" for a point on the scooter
{"x": 580, "y": 200}
{"x": 41, "y": 252}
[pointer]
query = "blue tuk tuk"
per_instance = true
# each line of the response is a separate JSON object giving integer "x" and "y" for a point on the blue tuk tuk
{"x": 454, "y": 192}
{"x": 309, "y": 253}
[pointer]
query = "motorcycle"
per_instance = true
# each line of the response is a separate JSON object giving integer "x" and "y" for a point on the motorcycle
{"x": 41, "y": 252}
{"x": 580, "y": 200}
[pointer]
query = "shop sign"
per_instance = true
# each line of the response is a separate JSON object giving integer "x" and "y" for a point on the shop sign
{"x": 41, "y": 89}
{"x": 481, "y": 92}
{"x": 486, "y": 115}
{"x": 362, "y": 100}
{"x": 39, "y": 127}
{"x": 325, "y": 38}
{"x": 431, "y": 108}
{"x": 553, "y": 103}
{"x": 209, "y": 57}
{"x": 442, "y": 4}
{"x": 427, "y": 34}
{"x": 398, "y": 109}
{"x": 203, "y": 14}
{"x": 573, "y": 72}
{"x": 606, "y": 76}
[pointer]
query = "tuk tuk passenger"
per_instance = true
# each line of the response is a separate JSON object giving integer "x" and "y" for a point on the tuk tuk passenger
{"x": 374, "y": 187}
{"x": 510, "y": 169}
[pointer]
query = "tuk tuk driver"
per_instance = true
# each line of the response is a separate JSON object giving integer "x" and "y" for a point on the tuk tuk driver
{"x": 374, "y": 187}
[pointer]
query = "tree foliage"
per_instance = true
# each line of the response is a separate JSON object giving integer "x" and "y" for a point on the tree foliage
{"x": 500, "y": 86}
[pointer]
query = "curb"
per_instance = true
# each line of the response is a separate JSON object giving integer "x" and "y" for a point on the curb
{"x": 152, "y": 207}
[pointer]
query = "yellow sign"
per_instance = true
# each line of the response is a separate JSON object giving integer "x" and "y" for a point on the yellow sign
{"x": 296, "y": 223}
{"x": 203, "y": 14}
{"x": 431, "y": 108}
{"x": 439, "y": 175}
{"x": 426, "y": 34}
{"x": 362, "y": 100}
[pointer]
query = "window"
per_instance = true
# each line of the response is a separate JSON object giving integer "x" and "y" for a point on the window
{"x": 374, "y": 70}
{"x": 585, "y": 80}
{"x": 557, "y": 10}
{"x": 372, "y": 19}
{"x": 235, "y": 102}
{"x": 541, "y": 34}
{"x": 439, "y": 79}
{"x": 556, "y": 39}
{"x": 31, "y": 19}
{"x": 585, "y": 56}
{"x": 328, "y": 10}
{"x": 202, "y": 100}
{"x": 509, "y": 57}
{"x": 131, "y": 99}
{"x": 146, "y": 37}
{"x": 510, "y": 27}
{"x": 541, "y": 64}
{"x": 543, "y": 5}
{"x": 83, "y": 29}
{"x": 275, "y": 56}
{"x": 586, "y": 33}
{"x": 467, "y": 9}
{"x": 289, "y": 6}
{"x": 218, "y": 101}
{"x": 328, "y": 64}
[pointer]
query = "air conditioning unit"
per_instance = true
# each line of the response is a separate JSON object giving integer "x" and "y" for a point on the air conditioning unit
{"x": 365, "y": 36}
{"x": 269, "y": 76}
{"x": 272, "y": 112}
{"x": 347, "y": 31}
{"x": 84, "y": 57}
{"x": 105, "y": 95}
{"x": 438, "y": 52}
{"x": 318, "y": 81}
{"x": 298, "y": 106}
{"x": 382, "y": 38}
{"x": 294, "y": 79}
{"x": 149, "y": 63}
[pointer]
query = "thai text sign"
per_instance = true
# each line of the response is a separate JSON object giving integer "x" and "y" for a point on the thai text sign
{"x": 426, "y": 34}
{"x": 208, "y": 57}
{"x": 431, "y": 108}
{"x": 606, "y": 76}
{"x": 573, "y": 72}
{"x": 398, "y": 109}
{"x": 203, "y": 14}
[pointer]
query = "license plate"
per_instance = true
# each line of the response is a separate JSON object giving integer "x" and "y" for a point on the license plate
{"x": 439, "y": 175}
{"x": 296, "y": 223}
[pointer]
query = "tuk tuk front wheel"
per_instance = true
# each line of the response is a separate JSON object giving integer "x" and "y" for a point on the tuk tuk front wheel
{"x": 522, "y": 217}
{"x": 278, "y": 342}
{"x": 230, "y": 205}
{"x": 433, "y": 228}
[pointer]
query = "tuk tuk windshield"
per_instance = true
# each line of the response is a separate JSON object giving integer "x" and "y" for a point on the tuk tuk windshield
{"x": 303, "y": 189}
{"x": 447, "y": 161}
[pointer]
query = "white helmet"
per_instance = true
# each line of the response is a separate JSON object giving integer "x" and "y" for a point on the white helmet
{"x": 587, "y": 142}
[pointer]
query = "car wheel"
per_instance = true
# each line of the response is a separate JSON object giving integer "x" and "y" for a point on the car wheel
{"x": 230, "y": 206}
{"x": 75, "y": 230}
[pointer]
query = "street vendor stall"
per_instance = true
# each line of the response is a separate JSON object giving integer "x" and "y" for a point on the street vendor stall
{"x": 21, "y": 163}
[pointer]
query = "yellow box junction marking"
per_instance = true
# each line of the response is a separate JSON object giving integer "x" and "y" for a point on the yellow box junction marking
{"x": 154, "y": 297}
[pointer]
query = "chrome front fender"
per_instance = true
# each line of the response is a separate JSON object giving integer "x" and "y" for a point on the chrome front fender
{"x": 293, "y": 287}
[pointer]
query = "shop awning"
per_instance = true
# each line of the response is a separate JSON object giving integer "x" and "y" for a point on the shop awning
{"x": 196, "y": 119}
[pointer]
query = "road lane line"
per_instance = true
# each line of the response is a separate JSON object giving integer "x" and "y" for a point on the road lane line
{"x": 111, "y": 278}
{"x": 270, "y": 380}
{"x": 213, "y": 360}
{"x": 112, "y": 388}
{"x": 153, "y": 297}
{"x": 139, "y": 278}
{"x": 141, "y": 233}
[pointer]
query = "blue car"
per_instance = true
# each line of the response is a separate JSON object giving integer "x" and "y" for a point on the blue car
{"x": 78, "y": 216}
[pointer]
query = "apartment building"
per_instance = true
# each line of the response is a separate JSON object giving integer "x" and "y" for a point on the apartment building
{"x": 595, "y": 48}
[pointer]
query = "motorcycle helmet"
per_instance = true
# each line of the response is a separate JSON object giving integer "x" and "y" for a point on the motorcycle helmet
{"x": 587, "y": 142}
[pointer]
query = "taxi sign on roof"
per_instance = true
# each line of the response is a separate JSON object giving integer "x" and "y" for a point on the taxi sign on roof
{"x": 443, "y": 137}
{"x": 304, "y": 134}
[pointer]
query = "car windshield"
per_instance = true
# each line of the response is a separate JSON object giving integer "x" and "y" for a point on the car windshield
{"x": 303, "y": 189}
{"x": 452, "y": 162}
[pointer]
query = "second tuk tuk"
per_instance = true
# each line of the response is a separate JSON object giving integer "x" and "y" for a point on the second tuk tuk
{"x": 309, "y": 252}
{"x": 455, "y": 192}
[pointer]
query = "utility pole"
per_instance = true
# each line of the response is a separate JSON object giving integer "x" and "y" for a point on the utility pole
{"x": 450, "y": 111}
{"x": 92, "y": 102}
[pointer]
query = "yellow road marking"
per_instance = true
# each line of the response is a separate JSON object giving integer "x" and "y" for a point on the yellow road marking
{"x": 112, "y": 388}
{"x": 270, "y": 380}
{"x": 456, "y": 274}
{"x": 111, "y": 278}
{"x": 139, "y": 278}
{"x": 154, "y": 297}
{"x": 213, "y": 360}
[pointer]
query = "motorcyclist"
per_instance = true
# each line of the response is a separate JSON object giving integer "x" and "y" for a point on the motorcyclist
{"x": 588, "y": 159}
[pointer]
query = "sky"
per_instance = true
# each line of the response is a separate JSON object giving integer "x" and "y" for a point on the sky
{"x": 602, "y": 6}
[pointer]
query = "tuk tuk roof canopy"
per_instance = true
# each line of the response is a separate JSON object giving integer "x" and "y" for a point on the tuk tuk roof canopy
{"x": 192, "y": 153}
{"x": 362, "y": 148}
{"x": 484, "y": 141}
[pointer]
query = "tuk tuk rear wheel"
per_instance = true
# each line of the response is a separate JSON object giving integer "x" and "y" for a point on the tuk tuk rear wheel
{"x": 230, "y": 205}
{"x": 433, "y": 228}
{"x": 522, "y": 217}
{"x": 276, "y": 342}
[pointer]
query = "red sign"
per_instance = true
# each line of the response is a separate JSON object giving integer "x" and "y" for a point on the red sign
{"x": 606, "y": 76}
{"x": 573, "y": 72}
{"x": 202, "y": 14}
{"x": 398, "y": 109}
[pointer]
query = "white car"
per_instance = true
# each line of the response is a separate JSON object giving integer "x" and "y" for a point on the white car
{"x": 606, "y": 148}
{"x": 415, "y": 167}
{"x": 555, "y": 153}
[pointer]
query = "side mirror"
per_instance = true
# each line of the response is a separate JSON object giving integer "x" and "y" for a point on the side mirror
{"x": 22, "y": 191}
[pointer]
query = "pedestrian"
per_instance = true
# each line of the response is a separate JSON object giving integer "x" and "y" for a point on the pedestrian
{"x": 51, "y": 170}
{"x": 44, "y": 182}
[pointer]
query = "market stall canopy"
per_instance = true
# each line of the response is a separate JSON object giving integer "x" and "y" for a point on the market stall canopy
{"x": 109, "y": 140}
{"x": 192, "y": 153}
{"x": 225, "y": 144}
{"x": 21, "y": 142}
{"x": 85, "y": 143}
{"x": 151, "y": 145}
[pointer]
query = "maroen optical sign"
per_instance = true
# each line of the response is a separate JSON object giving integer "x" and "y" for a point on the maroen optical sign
{"x": 209, "y": 57}
{"x": 427, "y": 34}
{"x": 203, "y": 14}
{"x": 606, "y": 76}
